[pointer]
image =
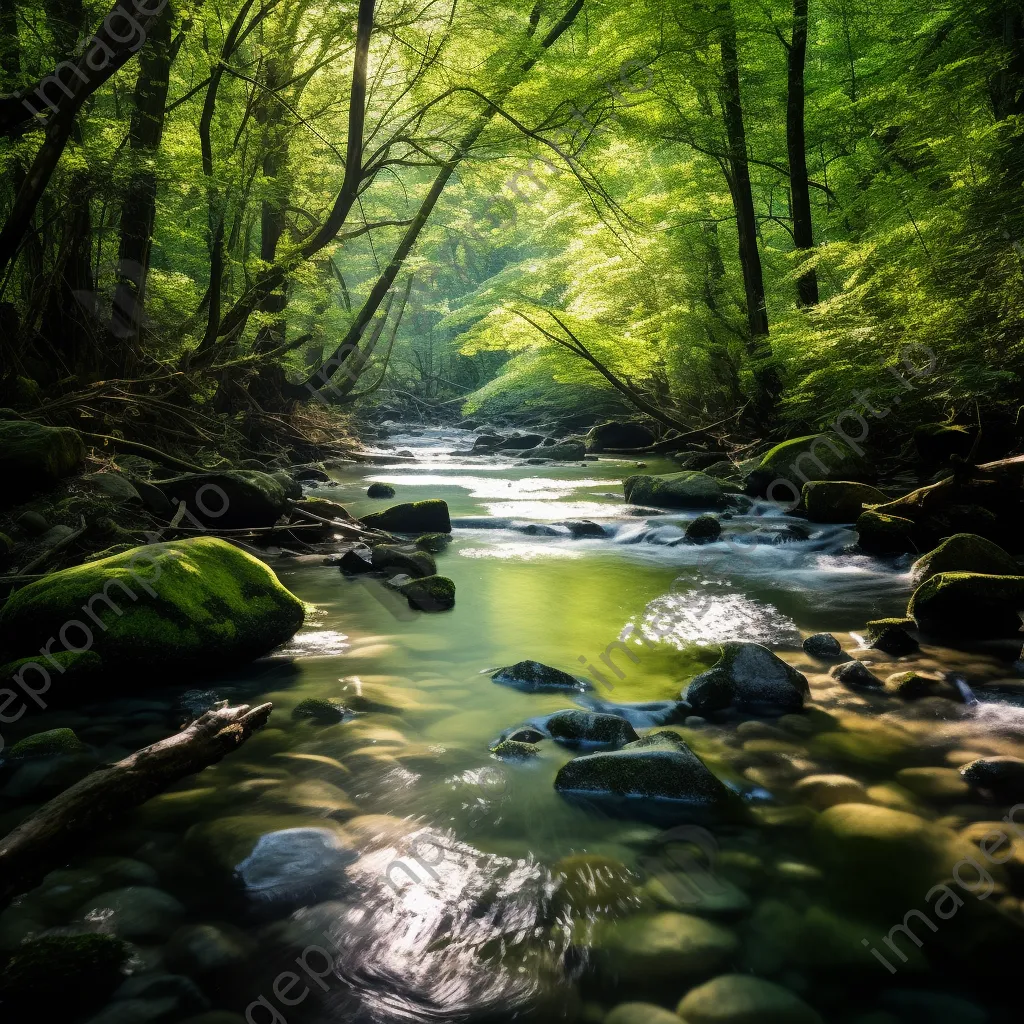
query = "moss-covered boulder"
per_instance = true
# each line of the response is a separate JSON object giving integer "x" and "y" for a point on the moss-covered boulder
{"x": 968, "y": 604}
{"x": 514, "y": 750}
{"x": 616, "y": 434}
{"x": 891, "y": 636}
{"x": 916, "y": 685}
{"x": 291, "y": 487}
{"x": 61, "y": 977}
{"x": 1002, "y": 777}
{"x": 401, "y": 559}
{"x": 964, "y": 552}
{"x": 880, "y": 533}
{"x": 705, "y": 529}
{"x": 814, "y": 457}
{"x": 429, "y": 594}
{"x": 747, "y": 677}
{"x": 578, "y": 727}
{"x": 434, "y": 543}
{"x": 533, "y": 677}
{"x": 824, "y": 646}
{"x": 743, "y": 999}
{"x": 321, "y": 710}
{"x": 430, "y": 516}
{"x": 48, "y": 744}
{"x": 185, "y": 605}
{"x": 228, "y": 500}
{"x": 687, "y": 489}
{"x": 379, "y": 490}
{"x": 937, "y": 443}
{"x": 34, "y": 457}
{"x": 659, "y": 766}
{"x": 838, "y": 501}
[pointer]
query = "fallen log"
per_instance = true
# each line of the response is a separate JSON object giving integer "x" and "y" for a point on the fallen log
{"x": 47, "y": 838}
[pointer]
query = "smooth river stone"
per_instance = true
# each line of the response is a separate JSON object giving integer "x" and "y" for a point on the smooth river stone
{"x": 742, "y": 999}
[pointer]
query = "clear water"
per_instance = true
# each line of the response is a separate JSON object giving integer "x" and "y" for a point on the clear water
{"x": 450, "y": 896}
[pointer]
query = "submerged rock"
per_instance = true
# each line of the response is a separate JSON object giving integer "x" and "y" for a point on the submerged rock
{"x": 824, "y": 791}
{"x": 229, "y": 499}
{"x": 1001, "y": 776}
{"x": 743, "y": 999}
{"x": 964, "y": 552}
{"x": 747, "y": 677}
{"x": 839, "y": 501}
{"x": 47, "y": 744}
{"x": 824, "y": 646}
{"x": 533, "y": 677}
{"x": 189, "y": 605}
{"x": 659, "y": 766}
{"x": 969, "y": 605}
{"x": 434, "y": 543}
{"x": 581, "y": 528}
{"x": 429, "y": 594}
{"x": 417, "y": 517}
{"x": 138, "y": 913}
{"x": 514, "y": 750}
{"x": 325, "y": 712}
{"x": 575, "y": 727}
{"x": 687, "y": 489}
{"x": 704, "y": 529}
{"x": 34, "y": 457}
{"x": 401, "y": 559}
{"x": 891, "y": 636}
{"x": 379, "y": 490}
{"x": 856, "y": 676}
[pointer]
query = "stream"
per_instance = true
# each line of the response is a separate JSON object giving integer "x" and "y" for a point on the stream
{"x": 406, "y": 875}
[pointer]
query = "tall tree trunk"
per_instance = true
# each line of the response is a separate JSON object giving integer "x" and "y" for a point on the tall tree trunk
{"x": 138, "y": 210}
{"x": 796, "y": 143}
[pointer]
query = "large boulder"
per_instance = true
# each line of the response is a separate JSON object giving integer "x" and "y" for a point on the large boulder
{"x": 575, "y": 727}
{"x": 34, "y": 457}
{"x": 184, "y": 606}
{"x": 228, "y": 500}
{"x": 964, "y": 552}
{"x": 880, "y": 533}
{"x": 658, "y": 766}
{"x": 430, "y": 516}
{"x": 394, "y": 557}
{"x": 969, "y": 604}
{"x": 839, "y": 501}
{"x": 814, "y": 457}
{"x": 615, "y": 434}
{"x": 743, "y": 999}
{"x": 687, "y": 489}
{"x": 522, "y": 442}
{"x": 747, "y": 677}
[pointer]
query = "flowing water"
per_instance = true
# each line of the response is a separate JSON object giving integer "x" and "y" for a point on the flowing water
{"x": 408, "y": 875}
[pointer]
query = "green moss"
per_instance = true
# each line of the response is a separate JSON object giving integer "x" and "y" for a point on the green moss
{"x": 838, "y": 501}
{"x": 434, "y": 543}
{"x": 189, "y": 604}
{"x": 704, "y": 529}
{"x": 392, "y": 556}
{"x": 914, "y": 685}
{"x": 33, "y": 457}
{"x": 882, "y": 534}
{"x": 234, "y": 498}
{"x": 430, "y": 594}
{"x": 965, "y": 552}
{"x": 969, "y": 605}
{"x": 48, "y": 744}
{"x": 429, "y": 516}
{"x": 687, "y": 489}
{"x": 513, "y": 750}
{"x": 379, "y": 490}
{"x": 891, "y": 636}
{"x": 799, "y": 458}
{"x": 69, "y": 666}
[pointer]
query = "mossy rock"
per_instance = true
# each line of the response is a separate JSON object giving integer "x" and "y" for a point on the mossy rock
{"x": 839, "y": 501}
{"x": 379, "y": 490}
{"x": 533, "y": 677}
{"x": 915, "y": 686}
{"x": 429, "y": 594}
{"x": 704, "y": 529}
{"x": 687, "y": 489}
{"x": 191, "y": 604}
{"x": 937, "y": 443}
{"x": 891, "y": 636}
{"x": 880, "y": 533}
{"x": 403, "y": 560}
{"x": 1001, "y": 776}
{"x": 60, "y": 977}
{"x": 743, "y": 999}
{"x": 968, "y": 605}
{"x": 229, "y": 500}
{"x": 113, "y": 486}
{"x": 964, "y": 552}
{"x": 576, "y": 727}
{"x": 48, "y": 744}
{"x": 747, "y": 677}
{"x": 34, "y": 457}
{"x": 515, "y": 750}
{"x": 433, "y": 543}
{"x": 430, "y": 516}
{"x": 814, "y": 457}
{"x": 291, "y": 487}
{"x": 320, "y": 710}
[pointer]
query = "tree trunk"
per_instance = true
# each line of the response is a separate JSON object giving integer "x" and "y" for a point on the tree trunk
{"x": 800, "y": 193}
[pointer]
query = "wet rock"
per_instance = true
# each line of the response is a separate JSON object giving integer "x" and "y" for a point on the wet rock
{"x": 1001, "y": 776}
{"x": 891, "y": 636}
{"x": 434, "y": 543}
{"x": 642, "y": 714}
{"x": 231, "y": 499}
{"x": 577, "y": 727}
{"x": 183, "y": 605}
{"x": 34, "y": 457}
{"x": 379, "y": 490}
{"x": 968, "y": 605}
{"x": 640, "y": 1013}
{"x": 855, "y": 675}
{"x": 429, "y": 594}
{"x": 618, "y": 434}
{"x": 747, "y": 677}
{"x": 291, "y": 487}
{"x": 824, "y": 646}
{"x": 60, "y": 977}
{"x": 320, "y": 710}
{"x": 572, "y": 451}
{"x": 417, "y": 517}
{"x": 743, "y": 999}
{"x": 401, "y": 559}
{"x": 659, "y": 766}
{"x": 113, "y": 486}
{"x": 661, "y": 947}
{"x": 201, "y": 949}
{"x": 839, "y": 501}
{"x": 704, "y": 529}
{"x": 312, "y": 473}
{"x": 582, "y": 528}
{"x": 47, "y": 744}
{"x": 533, "y": 677}
{"x": 814, "y": 457}
{"x": 687, "y": 489}
{"x": 964, "y": 552}
{"x": 355, "y": 563}
{"x": 514, "y": 750}
{"x": 526, "y": 734}
{"x": 64, "y": 890}
{"x": 880, "y": 533}
{"x": 914, "y": 686}
{"x": 824, "y": 791}
{"x": 138, "y": 913}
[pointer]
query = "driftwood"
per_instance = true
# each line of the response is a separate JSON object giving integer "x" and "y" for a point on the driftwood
{"x": 354, "y": 529}
{"x": 48, "y": 837}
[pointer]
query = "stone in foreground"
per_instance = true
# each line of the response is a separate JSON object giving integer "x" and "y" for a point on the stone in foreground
{"x": 824, "y": 646}
{"x": 533, "y": 677}
{"x": 747, "y": 677}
